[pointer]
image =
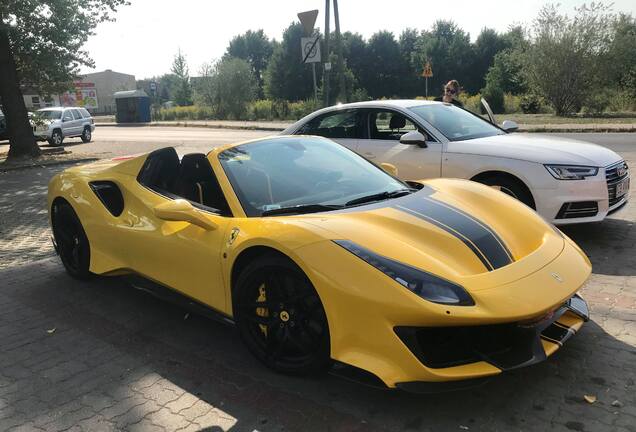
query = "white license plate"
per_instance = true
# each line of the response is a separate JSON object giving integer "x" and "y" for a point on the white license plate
{"x": 622, "y": 188}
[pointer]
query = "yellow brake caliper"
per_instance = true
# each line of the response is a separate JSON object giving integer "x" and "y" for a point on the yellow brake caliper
{"x": 262, "y": 311}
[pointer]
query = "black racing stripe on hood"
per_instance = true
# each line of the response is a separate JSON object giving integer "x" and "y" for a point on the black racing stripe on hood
{"x": 482, "y": 240}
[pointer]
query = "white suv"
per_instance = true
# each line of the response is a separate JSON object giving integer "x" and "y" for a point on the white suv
{"x": 55, "y": 124}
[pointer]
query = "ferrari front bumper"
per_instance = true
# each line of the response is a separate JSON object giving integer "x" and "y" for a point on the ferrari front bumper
{"x": 504, "y": 346}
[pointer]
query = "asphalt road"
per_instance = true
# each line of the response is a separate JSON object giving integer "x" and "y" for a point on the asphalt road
{"x": 118, "y": 141}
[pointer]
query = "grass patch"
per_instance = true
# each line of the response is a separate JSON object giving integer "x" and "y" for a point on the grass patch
{"x": 551, "y": 119}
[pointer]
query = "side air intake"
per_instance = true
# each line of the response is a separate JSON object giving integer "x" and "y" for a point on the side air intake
{"x": 110, "y": 195}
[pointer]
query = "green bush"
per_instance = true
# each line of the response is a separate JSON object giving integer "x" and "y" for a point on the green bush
{"x": 260, "y": 110}
{"x": 530, "y": 104}
{"x": 192, "y": 112}
{"x": 621, "y": 102}
{"x": 471, "y": 103}
{"x": 281, "y": 110}
{"x": 512, "y": 103}
{"x": 597, "y": 103}
{"x": 298, "y": 110}
{"x": 495, "y": 98}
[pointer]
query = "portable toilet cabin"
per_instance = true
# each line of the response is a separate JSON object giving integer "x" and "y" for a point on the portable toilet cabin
{"x": 133, "y": 106}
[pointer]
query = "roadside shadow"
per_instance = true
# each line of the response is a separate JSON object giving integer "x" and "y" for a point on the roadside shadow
{"x": 609, "y": 245}
{"x": 65, "y": 143}
{"x": 116, "y": 336}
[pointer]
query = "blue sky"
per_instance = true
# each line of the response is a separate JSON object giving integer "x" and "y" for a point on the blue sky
{"x": 148, "y": 33}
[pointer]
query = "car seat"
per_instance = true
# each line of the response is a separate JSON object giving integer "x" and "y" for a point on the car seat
{"x": 198, "y": 183}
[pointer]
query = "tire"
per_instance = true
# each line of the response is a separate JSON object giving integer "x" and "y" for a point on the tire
{"x": 510, "y": 186}
{"x": 289, "y": 332}
{"x": 72, "y": 244}
{"x": 87, "y": 135}
{"x": 56, "y": 138}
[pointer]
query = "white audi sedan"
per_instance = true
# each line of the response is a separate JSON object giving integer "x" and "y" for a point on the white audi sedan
{"x": 565, "y": 181}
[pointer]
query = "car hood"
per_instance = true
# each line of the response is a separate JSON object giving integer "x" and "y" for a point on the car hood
{"x": 538, "y": 148}
{"x": 456, "y": 229}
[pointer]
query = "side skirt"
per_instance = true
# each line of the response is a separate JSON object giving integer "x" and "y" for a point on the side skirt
{"x": 170, "y": 295}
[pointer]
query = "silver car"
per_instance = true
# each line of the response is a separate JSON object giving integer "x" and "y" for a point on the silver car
{"x": 55, "y": 124}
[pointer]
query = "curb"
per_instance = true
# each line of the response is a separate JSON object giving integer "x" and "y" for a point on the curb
{"x": 41, "y": 164}
{"x": 194, "y": 125}
{"x": 629, "y": 129}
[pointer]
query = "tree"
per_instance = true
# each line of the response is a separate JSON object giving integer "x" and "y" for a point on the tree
{"x": 182, "y": 91}
{"x": 256, "y": 48}
{"x": 384, "y": 66}
{"x": 486, "y": 47}
{"x": 354, "y": 50}
{"x": 410, "y": 70}
{"x": 621, "y": 55}
{"x": 448, "y": 49}
{"x": 40, "y": 45}
{"x": 506, "y": 72}
{"x": 286, "y": 77}
{"x": 227, "y": 86}
{"x": 564, "y": 61}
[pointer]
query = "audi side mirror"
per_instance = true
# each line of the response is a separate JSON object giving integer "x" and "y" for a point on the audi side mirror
{"x": 414, "y": 138}
{"x": 509, "y": 126}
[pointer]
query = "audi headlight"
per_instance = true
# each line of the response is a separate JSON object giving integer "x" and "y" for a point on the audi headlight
{"x": 425, "y": 285}
{"x": 571, "y": 172}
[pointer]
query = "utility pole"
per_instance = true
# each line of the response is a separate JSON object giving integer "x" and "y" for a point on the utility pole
{"x": 342, "y": 89}
{"x": 325, "y": 87}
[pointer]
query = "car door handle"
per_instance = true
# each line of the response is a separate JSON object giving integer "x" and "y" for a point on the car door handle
{"x": 369, "y": 155}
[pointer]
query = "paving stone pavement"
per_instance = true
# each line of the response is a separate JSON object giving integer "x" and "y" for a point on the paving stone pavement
{"x": 100, "y": 355}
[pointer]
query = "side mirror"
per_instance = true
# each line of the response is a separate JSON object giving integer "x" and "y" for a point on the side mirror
{"x": 414, "y": 138}
{"x": 389, "y": 168}
{"x": 509, "y": 126}
{"x": 181, "y": 210}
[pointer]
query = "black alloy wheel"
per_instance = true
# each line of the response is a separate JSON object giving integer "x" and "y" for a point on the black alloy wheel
{"x": 87, "y": 135}
{"x": 281, "y": 318}
{"x": 72, "y": 243}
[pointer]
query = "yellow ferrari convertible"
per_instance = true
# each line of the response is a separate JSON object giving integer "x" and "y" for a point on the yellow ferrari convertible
{"x": 322, "y": 258}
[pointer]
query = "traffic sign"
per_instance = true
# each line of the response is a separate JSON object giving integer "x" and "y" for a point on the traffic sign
{"x": 428, "y": 70}
{"x": 308, "y": 19}
{"x": 310, "y": 49}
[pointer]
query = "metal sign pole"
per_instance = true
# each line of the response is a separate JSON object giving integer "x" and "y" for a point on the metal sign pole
{"x": 325, "y": 88}
{"x": 426, "y": 81}
{"x": 342, "y": 91}
{"x": 310, "y": 46}
{"x": 313, "y": 71}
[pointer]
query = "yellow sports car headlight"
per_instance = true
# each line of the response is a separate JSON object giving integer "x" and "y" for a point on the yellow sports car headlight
{"x": 425, "y": 285}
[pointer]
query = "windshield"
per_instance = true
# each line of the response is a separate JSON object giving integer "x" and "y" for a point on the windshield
{"x": 455, "y": 123}
{"x": 49, "y": 114}
{"x": 301, "y": 171}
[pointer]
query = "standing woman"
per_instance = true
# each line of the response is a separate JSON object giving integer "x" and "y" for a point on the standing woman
{"x": 451, "y": 93}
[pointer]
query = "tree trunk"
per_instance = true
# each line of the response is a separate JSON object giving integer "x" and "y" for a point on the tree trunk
{"x": 21, "y": 139}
